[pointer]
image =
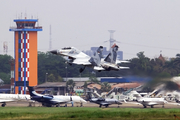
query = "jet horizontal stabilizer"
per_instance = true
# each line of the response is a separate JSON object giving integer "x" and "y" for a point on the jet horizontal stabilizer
{"x": 123, "y": 67}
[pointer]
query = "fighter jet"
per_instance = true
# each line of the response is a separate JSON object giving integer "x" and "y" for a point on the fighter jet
{"x": 111, "y": 62}
{"x": 74, "y": 56}
{"x": 103, "y": 101}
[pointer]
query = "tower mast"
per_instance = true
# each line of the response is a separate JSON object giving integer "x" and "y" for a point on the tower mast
{"x": 111, "y": 40}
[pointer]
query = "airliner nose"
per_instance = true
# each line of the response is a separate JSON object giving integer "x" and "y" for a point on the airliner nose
{"x": 84, "y": 101}
{"x": 53, "y": 51}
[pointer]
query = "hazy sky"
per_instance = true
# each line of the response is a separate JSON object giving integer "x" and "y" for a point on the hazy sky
{"x": 141, "y": 25}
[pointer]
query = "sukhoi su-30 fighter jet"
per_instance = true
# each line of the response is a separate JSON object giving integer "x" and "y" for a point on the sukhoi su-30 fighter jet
{"x": 77, "y": 57}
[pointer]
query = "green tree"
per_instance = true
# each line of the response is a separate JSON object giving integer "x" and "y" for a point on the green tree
{"x": 141, "y": 65}
{"x": 70, "y": 85}
{"x": 5, "y": 77}
{"x": 93, "y": 79}
{"x": 178, "y": 55}
{"x": 105, "y": 87}
{"x": 5, "y": 68}
{"x": 85, "y": 86}
{"x": 52, "y": 78}
{"x": 5, "y": 63}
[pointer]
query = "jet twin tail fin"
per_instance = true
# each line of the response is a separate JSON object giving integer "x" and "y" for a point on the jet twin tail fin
{"x": 96, "y": 58}
{"x": 112, "y": 55}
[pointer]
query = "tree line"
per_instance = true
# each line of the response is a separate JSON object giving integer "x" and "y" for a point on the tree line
{"x": 54, "y": 68}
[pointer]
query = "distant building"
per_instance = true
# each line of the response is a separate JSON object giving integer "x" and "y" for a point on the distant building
{"x": 59, "y": 88}
{"x": 5, "y": 88}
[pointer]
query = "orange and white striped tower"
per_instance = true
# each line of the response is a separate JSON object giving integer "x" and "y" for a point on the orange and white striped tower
{"x": 25, "y": 45}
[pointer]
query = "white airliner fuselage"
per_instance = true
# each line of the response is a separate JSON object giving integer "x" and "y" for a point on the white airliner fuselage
{"x": 13, "y": 98}
{"x": 75, "y": 99}
{"x": 151, "y": 101}
{"x": 49, "y": 100}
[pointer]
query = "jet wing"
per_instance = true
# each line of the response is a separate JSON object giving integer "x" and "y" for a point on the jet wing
{"x": 2, "y": 101}
{"x": 123, "y": 67}
{"x": 114, "y": 66}
{"x": 98, "y": 68}
{"x": 121, "y": 61}
{"x": 104, "y": 103}
{"x": 81, "y": 62}
{"x": 80, "y": 55}
{"x": 153, "y": 103}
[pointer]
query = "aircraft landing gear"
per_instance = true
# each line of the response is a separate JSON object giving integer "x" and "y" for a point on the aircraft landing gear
{"x": 3, "y": 105}
{"x": 152, "y": 106}
{"x": 82, "y": 69}
{"x": 100, "y": 105}
{"x": 70, "y": 64}
{"x": 65, "y": 105}
{"x": 81, "y": 104}
{"x": 106, "y": 106}
{"x": 58, "y": 105}
{"x": 144, "y": 106}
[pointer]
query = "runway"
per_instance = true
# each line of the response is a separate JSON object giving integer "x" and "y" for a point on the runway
{"x": 88, "y": 104}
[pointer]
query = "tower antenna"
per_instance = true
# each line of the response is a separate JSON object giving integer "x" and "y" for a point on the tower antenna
{"x": 111, "y": 40}
{"x": 5, "y": 46}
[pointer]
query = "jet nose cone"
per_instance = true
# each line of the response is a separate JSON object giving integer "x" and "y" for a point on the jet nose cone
{"x": 53, "y": 51}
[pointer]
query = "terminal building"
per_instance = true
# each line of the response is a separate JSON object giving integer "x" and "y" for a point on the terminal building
{"x": 25, "y": 49}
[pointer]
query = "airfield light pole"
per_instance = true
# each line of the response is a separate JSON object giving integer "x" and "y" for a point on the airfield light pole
{"x": 80, "y": 76}
{"x": 66, "y": 70}
{"x": 46, "y": 76}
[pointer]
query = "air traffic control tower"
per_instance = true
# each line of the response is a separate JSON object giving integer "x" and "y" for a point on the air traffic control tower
{"x": 25, "y": 54}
